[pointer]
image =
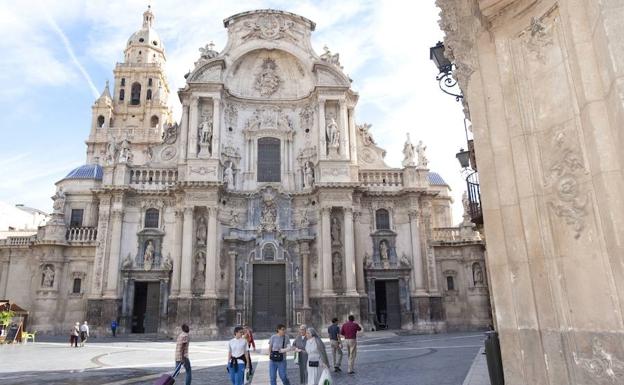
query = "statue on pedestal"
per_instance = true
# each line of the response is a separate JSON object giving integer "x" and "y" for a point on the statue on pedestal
{"x": 422, "y": 159}
{"x": 59, "y": 201}
{"x": 383, "y": 250}
{"x": 202, "y": 231}
{"x": 228, "y": 176}
{"x": 336, "y": 231}
{"x": 148, "y": 256}
{"x": 333, "y": 135}
{"x": 408, "y": 153}
{"x": 308, "y": 172}
{"x": 48, "y": 276}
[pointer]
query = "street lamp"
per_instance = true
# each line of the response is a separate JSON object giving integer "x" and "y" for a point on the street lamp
{"x": 445, "y": 77}
{"x": 463, "y": 156}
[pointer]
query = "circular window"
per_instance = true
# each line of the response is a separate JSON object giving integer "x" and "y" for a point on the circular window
{"x": 307, "y": 130}
{"x": 141, "y": 40}
{"x": 155, "y": 42}
{"x": 230, "y": 129}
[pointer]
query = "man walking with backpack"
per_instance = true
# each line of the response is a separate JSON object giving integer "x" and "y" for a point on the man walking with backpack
{"x": 181, "y": 352}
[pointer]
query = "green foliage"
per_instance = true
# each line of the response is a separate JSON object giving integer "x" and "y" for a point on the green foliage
{"x": 5, "y": 317}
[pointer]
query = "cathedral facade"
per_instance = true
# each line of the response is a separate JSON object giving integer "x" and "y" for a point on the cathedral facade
{"x": 266, "y": 203}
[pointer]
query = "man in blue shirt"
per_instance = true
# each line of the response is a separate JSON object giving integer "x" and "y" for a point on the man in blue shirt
{"x": 336, "y": 345}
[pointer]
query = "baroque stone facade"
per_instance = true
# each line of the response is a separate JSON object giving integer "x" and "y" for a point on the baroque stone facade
{"x": 265, "y": 204}
{"x": 542, "y": 85}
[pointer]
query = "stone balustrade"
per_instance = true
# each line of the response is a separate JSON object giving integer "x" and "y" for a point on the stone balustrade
{"x": 18, "y": 240}
{"x": 446, "y": 234}
{"x": 81, "y": 234}
{"x": 381, "y": 178}
{"x": 153, "y": 179}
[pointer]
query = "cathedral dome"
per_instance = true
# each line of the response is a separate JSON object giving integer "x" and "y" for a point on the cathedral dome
{"x": 145, "y": 45}
{"x": 86, "y": 171}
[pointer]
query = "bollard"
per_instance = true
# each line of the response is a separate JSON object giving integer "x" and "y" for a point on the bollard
{"x": 494, "y": 358}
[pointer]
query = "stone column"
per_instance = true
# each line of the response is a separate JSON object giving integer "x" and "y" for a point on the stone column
{"x": 344, "y": 130}
{"x": 177, "y": 252}
{"x": 183, "y": 131}
{"x": 164, "y": 295}
{"x": 304, "y": 249}
{"x": 418, "y": 287}
{"x": 113, "y": 256}
{"x": 328, "y": 283}
{"x": 349, "y": 250}
{"x": 210, "y": 288}
{"x": 4, "y": 279}
{"x": 187, "y": 253}
{"x": 193, "y": 126}
{"x": 322, "y": 128}
{"x": 352, "y": 137}
{"x": 232, "y": 275}
{"x": 359, "y": 257}
{"x": 216, "y": 127}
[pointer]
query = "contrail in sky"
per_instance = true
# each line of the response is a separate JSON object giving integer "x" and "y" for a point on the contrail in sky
{"x": 70, "y": 52}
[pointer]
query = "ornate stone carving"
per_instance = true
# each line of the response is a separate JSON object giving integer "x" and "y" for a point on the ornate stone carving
{"x": 270, "y": 27}
{"x": 231, "y": 115}
{"x": 125, "y": 153}
{"x": 330, "y": 58}
{"x": 602, "y": 366}
{"x": 267, "y": 81}
{"x": 203, "y": 170}
{"x": 200, "y": 270}
{"x": 268, "y": 215}
{"x": 538, "y": 36}
{"x": 477, "y": 274}
{"x": 170, "y": 134}
{"x": 228, "y": 176}
{"x": 332, "y": 135}
{"x": 127, "y": 262}
{"x": 269, "y": 118}
{"x": 308, "y": 175}
{"x": 59, "y": 201}
{"x": 201, "y": 232}
{"x": 336, "y": 231}
{"x": 167, "y": 264}
{"x": 364, "y": 130}
{"x": 148, "y": 256}
{"x": 570, "y": 202}
{"x": 168, "y": 153}
{"x": 207, "y": 52}
{"x": 306, "y": 118}
{"x": 205, "y": 135}
{"x": 422, "y": 158}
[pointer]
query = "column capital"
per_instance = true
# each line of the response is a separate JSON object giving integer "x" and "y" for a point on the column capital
{"x": 212, "y": 211}
{"x": 188, "y": 210}
{"x": 413, "y": 214}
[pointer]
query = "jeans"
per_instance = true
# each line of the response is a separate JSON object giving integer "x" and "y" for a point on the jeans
{"x": 237, "y": 376}
{"x": 274, "y": 368}
{"x": 187, "y": 369}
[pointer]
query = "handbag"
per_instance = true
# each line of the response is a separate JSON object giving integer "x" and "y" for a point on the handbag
{"x": 313, "y": 364}
{"x": 277, "y": 356}
{"x": 326, "y": 378}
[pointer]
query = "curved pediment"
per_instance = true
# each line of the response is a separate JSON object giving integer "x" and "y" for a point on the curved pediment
{"x": 209, "y": 72}
{"x": 268, "y": 74}
{"x": 329, "y": 76}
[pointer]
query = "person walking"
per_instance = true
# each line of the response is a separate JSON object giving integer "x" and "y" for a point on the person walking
{"x": 74, "y": 333}
{"x": 181, "y": 352}
{"x": 114, "y": 327}
{"x": 349, "y": 330}
{"x": 279, "y": 345}
{"x": 302, "y": 356}
{"x": 336, "y": 345}
{"x": 238, "y": 357}
{"x": 84, "y": 333}
{"x": 315, "y": 348}
{"x": 248, "y": 334}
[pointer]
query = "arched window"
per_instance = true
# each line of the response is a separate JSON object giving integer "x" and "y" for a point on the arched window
{"x": 269, "y": 167}
{"x": 135, "y": 94}
{"x": 154, "y": 121}
{"x": 151, "y": 218}
{"x": 77, "y": 286}
{"x": 268, "y": 252}
{"x": 122, "y": 94}
{"x": 100, "y": 121}
{"x": 123, "y": 82}
{"x": 149, "y": 82}
{"x": 148, "y": 96}
{"x": 382, "y": 219}
{"x": 450, "y": 283}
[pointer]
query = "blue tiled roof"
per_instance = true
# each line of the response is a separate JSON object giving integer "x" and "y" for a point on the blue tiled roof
{"x": 87, "y": 171}
{"x": 435, "y": 179}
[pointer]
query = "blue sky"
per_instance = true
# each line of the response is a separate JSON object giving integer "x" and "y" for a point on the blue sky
{"x": 56, "y": 55}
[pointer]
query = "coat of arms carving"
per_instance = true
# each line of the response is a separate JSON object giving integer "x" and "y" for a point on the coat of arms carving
{"x": 267, "y": 80}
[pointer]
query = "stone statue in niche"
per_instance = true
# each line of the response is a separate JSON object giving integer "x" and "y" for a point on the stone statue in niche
{"x": 205, "y": 136}
{"x": 148, "y": 256}
{"x": 125, "y": 154}
{"x": 167, "y": 263}
{"x": 202, "y": 231}
{"x": 59, "y": 201}
{"x": 383, "y": 250}
{"x": 228, "y": 176}
{"x": 111, "y": 150}
{"x": 336, "y": 231}
{"x": 308, "y": 172}
{"x": 47, "y": 279}
{"x": 333, "y": 136}
{"x": 241, "y": 274}
{"x": 337, "y": 266}
{"x": 200, "y": 268}
{"x": 408, "y": 153}
{"x": 297, "y": 274}
{"x": 422, "y": 159}
{"x": 477, "y": 274}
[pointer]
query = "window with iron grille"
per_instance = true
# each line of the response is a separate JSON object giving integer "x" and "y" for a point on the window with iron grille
{"x": 76, "y": 218}
{"x": 382, "y": 219}
{"x": 450, "y": 283}
{"x": 269, "y": 167}
{"x": 151, "y": 218}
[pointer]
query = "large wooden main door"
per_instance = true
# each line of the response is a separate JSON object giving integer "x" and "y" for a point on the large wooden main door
{"x": 145, "y": 314}
{"x": 269, "y": 297}
{"x": 388, "y": 304}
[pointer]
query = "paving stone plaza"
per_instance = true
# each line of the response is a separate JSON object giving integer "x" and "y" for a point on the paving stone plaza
{"x": 383, "y": 358}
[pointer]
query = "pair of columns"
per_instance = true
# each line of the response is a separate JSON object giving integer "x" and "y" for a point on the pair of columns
{"x": 349, "y": 251}
{"x": 183, "y": 262}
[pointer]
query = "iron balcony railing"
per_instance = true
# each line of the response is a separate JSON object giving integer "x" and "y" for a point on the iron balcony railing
{"x": 474, "y": 198}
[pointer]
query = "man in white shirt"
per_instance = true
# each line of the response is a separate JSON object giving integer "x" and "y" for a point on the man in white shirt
{"x": 238, "y": 357}
{"x": 84, "y": 333}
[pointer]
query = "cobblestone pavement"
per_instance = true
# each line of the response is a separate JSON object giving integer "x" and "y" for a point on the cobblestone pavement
{"x": 383, "y": 358}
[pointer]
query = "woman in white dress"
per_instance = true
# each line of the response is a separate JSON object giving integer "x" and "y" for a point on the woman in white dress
{"x": 317, "y": 356}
